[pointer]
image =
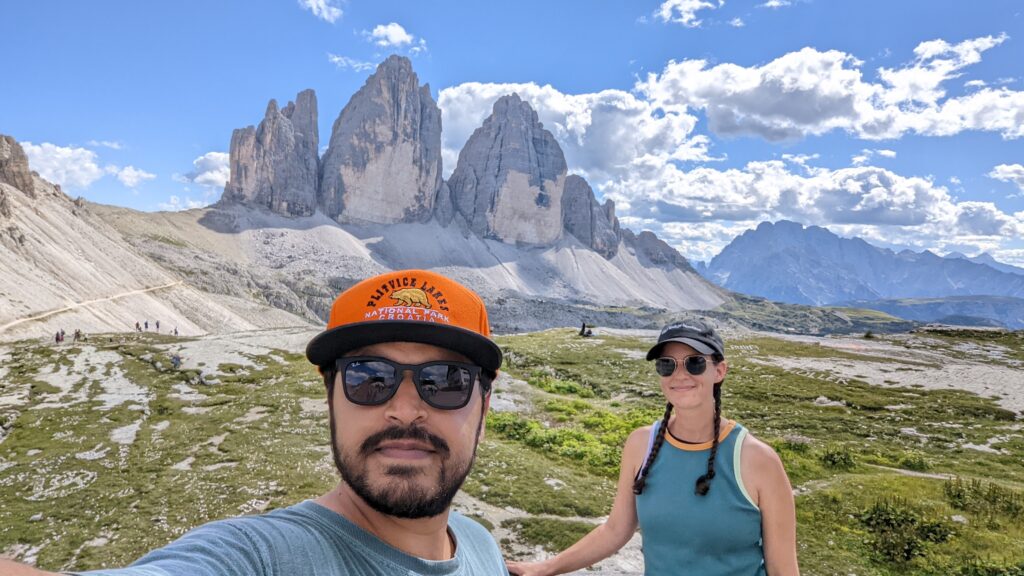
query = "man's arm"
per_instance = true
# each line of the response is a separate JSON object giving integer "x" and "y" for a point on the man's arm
{"x": 216, "y": 549}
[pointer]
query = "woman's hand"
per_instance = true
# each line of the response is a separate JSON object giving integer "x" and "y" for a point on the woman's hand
{"x": 526, "y": 568}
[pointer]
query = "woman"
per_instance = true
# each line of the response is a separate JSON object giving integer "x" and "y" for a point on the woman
{"x": 710, "y": 499}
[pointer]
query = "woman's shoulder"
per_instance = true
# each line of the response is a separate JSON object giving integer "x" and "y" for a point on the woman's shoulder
{"x": 758, "y": 455}
{"x": 637, "y": 442}
{"x": 640, "y": 436}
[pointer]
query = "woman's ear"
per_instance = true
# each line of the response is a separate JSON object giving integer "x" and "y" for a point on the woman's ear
{"x": 720, "y": 370}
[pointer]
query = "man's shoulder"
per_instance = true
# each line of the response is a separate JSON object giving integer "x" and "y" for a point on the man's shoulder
{"x": 284, "y": 523}
{"x": 460, "y": 522}
{"x": 476, "y": 541}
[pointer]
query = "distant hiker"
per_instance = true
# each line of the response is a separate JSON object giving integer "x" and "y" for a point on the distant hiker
{"x": 157, "y": 325}
{"x": 138, "y": 328}
{"x": 406, "y": 405}
{"x": 61, "y": 334}
{"x": 739, "y": 517}
{"x": 175, "y": 330}
{"x": 583, "y": 329}
{"x": 588, "y": 333}
{"x": 76, "y": 335}
{"x": 176, "y": 360}
{"x": 147, "y": 325}
{"x": 56, "y": 337}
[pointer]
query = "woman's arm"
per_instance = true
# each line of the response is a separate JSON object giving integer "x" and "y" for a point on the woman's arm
{"x": 766, "y": 481}
{"x": 607, "y": 538}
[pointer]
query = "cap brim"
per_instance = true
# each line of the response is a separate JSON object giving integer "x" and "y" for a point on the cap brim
{"x": 695, "y": 344}
{"x": 331, "y": 344}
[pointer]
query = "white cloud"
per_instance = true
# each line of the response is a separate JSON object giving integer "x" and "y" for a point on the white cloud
{"x": 1013, "y": 257}
{"x": 809, "y": 92}
{"x": 344, "y": 62}
{"x": 737, "y": 22}
{"x": 974, "y": 84}
{"x": 322, "y": 9}
{"x": 604, "y": 135}
{"x": 131, "y": 176}
{"x": 685, "y": 11}
{"x": 73, "y": 168}
{"x": 392, "y": 34}
{"x": 211, "y": 171}
{"x": 175, "y": 204}
{"x": 936, "y": 61}
{"x": 954, "y": 180}
{"x": 866, "y": 154}
{"x": 105, "y": 144}
{"x": 1013, "y": 173}
{"x": 419, "y": 48}
{"x": 775, "y": 4}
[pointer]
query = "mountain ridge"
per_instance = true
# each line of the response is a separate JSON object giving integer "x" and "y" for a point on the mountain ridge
{"x": 788, "y": 262}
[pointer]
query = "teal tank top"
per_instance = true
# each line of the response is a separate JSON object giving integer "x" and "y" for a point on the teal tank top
{"x": 717, "y": 534}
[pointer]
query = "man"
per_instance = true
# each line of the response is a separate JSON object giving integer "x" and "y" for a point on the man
{"x": 408, "y": 364}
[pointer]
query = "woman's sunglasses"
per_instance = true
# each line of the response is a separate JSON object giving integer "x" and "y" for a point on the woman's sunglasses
{"x": 666, "y": 365}
{"x": 372, "y": 381}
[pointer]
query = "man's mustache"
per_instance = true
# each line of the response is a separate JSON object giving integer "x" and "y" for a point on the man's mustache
{"x": 399, "y": 433}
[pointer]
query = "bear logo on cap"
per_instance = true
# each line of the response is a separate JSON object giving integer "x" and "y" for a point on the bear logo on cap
{"x": 411, "y": 297}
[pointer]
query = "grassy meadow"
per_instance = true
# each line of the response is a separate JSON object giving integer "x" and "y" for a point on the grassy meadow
{"x": 106, "y": 451}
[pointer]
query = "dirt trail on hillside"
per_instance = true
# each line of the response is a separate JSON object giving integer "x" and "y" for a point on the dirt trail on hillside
{"x": 88, "y": 303}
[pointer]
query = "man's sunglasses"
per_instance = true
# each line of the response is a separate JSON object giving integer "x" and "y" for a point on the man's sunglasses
{"x": 696, "y": 365}
{"x": 444, "y": 384}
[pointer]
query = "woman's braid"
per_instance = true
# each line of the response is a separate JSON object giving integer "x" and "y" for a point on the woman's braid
{"x": 641, "y": 479}
{"x": 704, "y": 482}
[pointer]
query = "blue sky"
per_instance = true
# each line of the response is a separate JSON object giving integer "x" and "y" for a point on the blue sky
{"x": 901, "y": 122}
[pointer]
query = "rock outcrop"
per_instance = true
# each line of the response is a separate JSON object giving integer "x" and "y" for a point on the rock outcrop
{"x": 14, "y": 168}
{"x": 656, "y": 250}
{"x": 383, "y": 163}
{"x": 383, "y": 166}
{"x": 276, "y": 165}
{"x": 591, "y": 223}
{"x": 510, "y": 177}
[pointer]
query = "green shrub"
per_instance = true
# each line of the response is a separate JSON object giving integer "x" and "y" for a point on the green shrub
{"x": 901, "y": 533}
{"x": 986, "y": 498}
{"x": 549, "y": 383}
{"x": 915, "y": 461}
{"x": 837, "y": 457}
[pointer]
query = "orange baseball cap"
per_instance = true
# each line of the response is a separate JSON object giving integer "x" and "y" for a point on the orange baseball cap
{"x": 407, "y": 306}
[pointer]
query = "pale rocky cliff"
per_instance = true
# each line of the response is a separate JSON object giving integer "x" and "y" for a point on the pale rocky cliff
{"x": 591, "y": 223}
{"x": 510, "y": 176}
{"x": 14, "y": 166}
{"x": 383, "y": 164}
{"x": 276, "y": 165}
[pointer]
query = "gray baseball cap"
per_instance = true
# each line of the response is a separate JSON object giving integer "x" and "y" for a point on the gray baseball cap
{"x": 697, "y": 334}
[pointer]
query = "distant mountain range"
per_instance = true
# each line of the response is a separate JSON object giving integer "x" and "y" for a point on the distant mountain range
{"x": 787, "y": 262}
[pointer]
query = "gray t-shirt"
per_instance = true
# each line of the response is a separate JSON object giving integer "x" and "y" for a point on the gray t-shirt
{"x": 308, "y": 539}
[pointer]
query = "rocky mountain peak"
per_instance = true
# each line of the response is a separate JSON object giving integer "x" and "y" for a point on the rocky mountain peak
{"x": 510, "y": 177}
{"x": 383, "y": 163}
{"x": 656, "y": 250}
{"x": 276, "y": 165}
{"x": 593, "y": 224}
{"x": 14, "y": 168}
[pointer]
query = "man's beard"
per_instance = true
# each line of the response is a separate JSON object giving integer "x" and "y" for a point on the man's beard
{"x": 396, "y": 493}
